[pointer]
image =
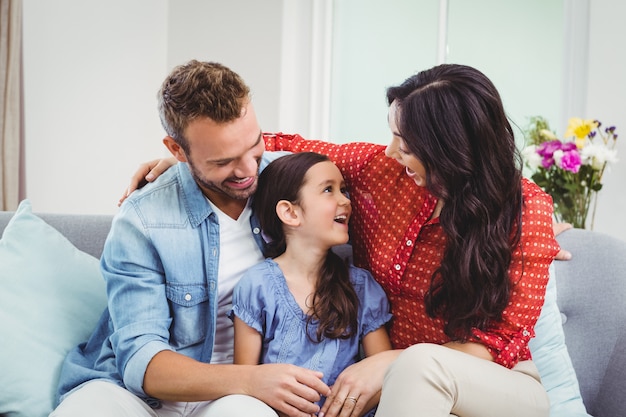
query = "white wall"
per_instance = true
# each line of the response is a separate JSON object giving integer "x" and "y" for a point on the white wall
{"x": 91, "y": 73}
{"x": 245, "y": 35}
{"x": 519, "y": 46}
{"x": 377, "y": 45}
{"x": 92, "y": 70}
{"x": 606, "y": 92}
{"x": 367, "y": 61}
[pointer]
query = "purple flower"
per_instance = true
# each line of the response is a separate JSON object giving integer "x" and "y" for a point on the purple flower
{"x": 547, "y": 162}
{"x": 546, "y": 149}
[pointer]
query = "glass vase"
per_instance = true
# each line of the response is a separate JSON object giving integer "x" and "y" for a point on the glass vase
{"x": 573, "y": 208}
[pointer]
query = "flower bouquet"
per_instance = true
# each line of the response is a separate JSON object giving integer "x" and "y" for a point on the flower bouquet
{"x": 570, "y": 170}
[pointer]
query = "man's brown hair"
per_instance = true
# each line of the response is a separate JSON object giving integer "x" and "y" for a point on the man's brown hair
{"x": 200, "y": 89}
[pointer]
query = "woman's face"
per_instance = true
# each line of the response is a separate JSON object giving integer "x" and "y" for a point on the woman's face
{"x": 398, "y": 150}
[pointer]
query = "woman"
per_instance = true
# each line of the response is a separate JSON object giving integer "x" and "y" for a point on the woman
{"x": 460, "y": 242}
{"x": 465, "y": 312}
{"x": 451, "y": 133}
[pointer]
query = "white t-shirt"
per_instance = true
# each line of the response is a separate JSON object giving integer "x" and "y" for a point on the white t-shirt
{"x": 238, "y": 252}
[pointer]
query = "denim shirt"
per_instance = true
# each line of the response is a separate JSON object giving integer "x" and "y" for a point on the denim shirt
{"x": 160, "y": 265}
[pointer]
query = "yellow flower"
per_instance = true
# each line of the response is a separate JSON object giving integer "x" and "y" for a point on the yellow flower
{"x": 580, "y": 129}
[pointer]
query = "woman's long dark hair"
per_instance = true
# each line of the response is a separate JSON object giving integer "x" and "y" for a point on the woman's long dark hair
{"x": 452, "y": 119}
{"x": 335, "y": 303}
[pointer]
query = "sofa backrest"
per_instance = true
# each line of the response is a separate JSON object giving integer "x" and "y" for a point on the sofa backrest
{"x": 591, "y": 296}
{"x": 86, "y": 231}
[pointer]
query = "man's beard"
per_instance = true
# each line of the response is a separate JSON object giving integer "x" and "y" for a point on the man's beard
{"x": 235, "y": 194}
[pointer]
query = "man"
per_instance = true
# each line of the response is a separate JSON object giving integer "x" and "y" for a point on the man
{"x": 176, "y": 249}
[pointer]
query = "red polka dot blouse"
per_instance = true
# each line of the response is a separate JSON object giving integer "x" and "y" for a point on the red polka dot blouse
{"x": 393, "y": 238}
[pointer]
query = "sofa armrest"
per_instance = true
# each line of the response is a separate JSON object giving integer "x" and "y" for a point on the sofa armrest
{"x": 610, "y": 400}
{"x": 591, "y": 294}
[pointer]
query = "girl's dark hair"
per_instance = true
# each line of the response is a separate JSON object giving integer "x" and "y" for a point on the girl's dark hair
{"x": 335, "y": 303}
{"x": 452, "y": 120}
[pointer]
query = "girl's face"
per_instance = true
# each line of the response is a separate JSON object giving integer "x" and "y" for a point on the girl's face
{"x": 324, "y": 206}
{"x": 398, "y": 150}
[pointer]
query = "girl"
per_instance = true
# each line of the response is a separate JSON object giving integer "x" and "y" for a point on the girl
{"x": 303, "y": 305}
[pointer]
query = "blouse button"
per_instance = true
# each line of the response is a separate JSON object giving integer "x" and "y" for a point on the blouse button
{"x": 526, "y": 332}
{"x": 397, "y": 266}
{"x": 187, "y": 297}
{"x": 409, "y": 242}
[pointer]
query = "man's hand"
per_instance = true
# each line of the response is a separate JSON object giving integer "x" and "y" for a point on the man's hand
{"x": 289, "y": 389}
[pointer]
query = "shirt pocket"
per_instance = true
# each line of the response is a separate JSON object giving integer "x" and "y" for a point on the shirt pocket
{"x": 190, "y": 311}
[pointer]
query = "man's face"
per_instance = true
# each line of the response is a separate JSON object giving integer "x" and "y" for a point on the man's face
{"x": 224, "y": 158}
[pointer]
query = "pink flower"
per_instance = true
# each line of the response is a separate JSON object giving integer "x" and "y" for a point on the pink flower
{"x": 570, "y": 161}
{"x": 547, "y": 150}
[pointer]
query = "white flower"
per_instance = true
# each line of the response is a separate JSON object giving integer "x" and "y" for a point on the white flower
{"x": 597, "y": 154}
{"x": 558, "y": 157}
{"x": 532, "y": 158}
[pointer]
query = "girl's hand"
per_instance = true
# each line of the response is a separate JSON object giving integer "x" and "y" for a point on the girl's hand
{"x": 357, "y": 389}
{"x": 147, "y": 172}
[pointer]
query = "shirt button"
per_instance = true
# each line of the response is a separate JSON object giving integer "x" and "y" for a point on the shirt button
{"x": 256, "y": 230}
{"x": 526, "y": 332}
{"x": 409, "y": 242}
{"x": 397, "y": 266}
{"x": 187, "y": 297}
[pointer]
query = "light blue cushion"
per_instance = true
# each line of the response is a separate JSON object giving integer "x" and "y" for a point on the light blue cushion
{"x": 51, "y": 296}
{"x": 553, "y": 361}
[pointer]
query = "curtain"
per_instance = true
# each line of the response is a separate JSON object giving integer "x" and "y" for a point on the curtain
{"x": 11, "y": 104}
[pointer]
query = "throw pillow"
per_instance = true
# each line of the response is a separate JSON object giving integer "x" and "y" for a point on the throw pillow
{"x": 553, "y": 361}
{"x": 51, "y": 296}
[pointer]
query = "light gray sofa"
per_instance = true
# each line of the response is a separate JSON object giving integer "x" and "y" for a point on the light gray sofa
{"x": 591, "y": 297}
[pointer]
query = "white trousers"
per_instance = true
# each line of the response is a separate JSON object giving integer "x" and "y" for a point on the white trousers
{"x": 104, "y": 399}
{"x": 429, "y": 380}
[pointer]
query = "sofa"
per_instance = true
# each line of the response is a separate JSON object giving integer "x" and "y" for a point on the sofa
{"x": 53, "y": 293}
